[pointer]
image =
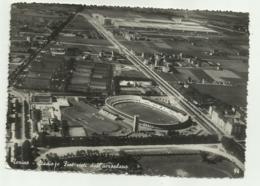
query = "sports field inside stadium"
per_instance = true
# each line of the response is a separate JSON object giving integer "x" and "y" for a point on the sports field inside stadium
{"x": 147, "y": 113}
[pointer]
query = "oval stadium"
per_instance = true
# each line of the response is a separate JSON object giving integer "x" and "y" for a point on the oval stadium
{"x": 146, "y": 114}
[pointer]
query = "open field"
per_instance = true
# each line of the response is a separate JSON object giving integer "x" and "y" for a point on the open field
{"x": 132, "y": 74}
{"x": 40, "y": 73}
{"x": 178, "y": 44}
{"x": 233, "y": 64}
{"x": 162, "y": 25}
{"x": 209, "y": 75}
{"x": 218, "y": 75}
{"x": 140, "y": 46}
{"x": 184, "y": 74}
{"x": 236, "y": 95}
{"x": 76, "y": 131}
{"x": 200, "y": 74}
{"x": 224, "y": 47}
{"x": 93, "y": 48}
{"x": 162, "y": 44}
{"x": 79, "y": 40}
{"x": 146, "y": 113}
{"x": 170, "y": 78}
{"x": 82, "y": 114}
{"x": 125, "y": 13}
{"x": 79, "y": 23}
{"x": 185, "y": 166}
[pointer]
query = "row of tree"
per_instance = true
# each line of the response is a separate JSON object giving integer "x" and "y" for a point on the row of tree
{"x": 23, "y": 156}
{"x": 54, "y": 161}
{"x": 43, "y": 140}
{"x": 18, "y": 127}
{"x": 27, "y": 124}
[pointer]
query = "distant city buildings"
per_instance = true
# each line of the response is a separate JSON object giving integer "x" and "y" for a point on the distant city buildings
{"x": 229, "y": 120}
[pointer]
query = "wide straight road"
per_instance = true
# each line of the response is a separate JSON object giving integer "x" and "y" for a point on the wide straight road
{"x": 170, "y": 91}
{"x": 148, "y": 149}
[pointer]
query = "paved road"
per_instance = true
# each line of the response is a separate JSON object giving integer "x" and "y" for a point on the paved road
{"x": 149, "y": 149}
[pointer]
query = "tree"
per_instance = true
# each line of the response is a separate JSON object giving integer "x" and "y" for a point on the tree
{"x": 26, "y": 154}
{"x": 16, "y": 151}
{"x": 64, "y": 128}
{"x": 41, "y": 140}
{"x": 8, "y": 156}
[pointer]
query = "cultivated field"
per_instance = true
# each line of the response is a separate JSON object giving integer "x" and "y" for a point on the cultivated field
{"x": 79, "y": 40}
{"x": 217, "y": 75}
{"x": 236, "y": 95}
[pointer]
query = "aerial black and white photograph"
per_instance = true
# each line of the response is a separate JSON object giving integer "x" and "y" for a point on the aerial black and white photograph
{"x": 127, "y": 90}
